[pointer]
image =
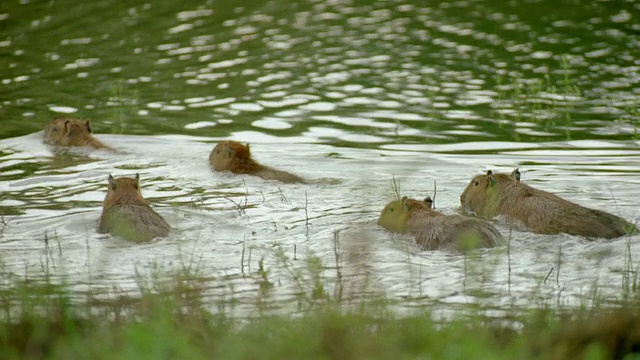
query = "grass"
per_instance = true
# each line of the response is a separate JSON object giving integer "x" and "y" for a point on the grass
{"x": 173, "y": 317}
{"x": 552, "y": 101}
{"x": 630, "y": 281}
{"x": 43, "y": 322}
{"x": 547, "y": 102}
{"x": 632, "y": 117}
{"x": 122, "y": 105}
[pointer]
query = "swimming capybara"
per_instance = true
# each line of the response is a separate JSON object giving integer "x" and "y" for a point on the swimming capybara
{"x": 71, "y": 132}
{"x": 235, "y": 157}
{"x": 536, "y": 210}
{"x": 125, "y": 213}
{"x": 434, "y": 230}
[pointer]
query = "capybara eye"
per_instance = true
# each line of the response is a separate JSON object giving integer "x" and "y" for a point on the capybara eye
{"x": 476, "y": 183}
{"x": 217, "y": 152}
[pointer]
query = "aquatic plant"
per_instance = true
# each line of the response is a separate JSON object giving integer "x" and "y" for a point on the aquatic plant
{"x": 547, "y": 101}
{"x": 39, "y": 319}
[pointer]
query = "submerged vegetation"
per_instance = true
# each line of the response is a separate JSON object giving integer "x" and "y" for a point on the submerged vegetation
{"x": 547, "y": 103}
{"x": 553, "y": 104}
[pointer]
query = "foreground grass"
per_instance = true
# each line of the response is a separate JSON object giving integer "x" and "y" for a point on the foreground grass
{"x": 172, "y": 319}
{"x": 166, "y": 325}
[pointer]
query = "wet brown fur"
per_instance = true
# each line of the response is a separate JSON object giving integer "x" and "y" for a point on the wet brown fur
{"x": 235, "y": 157}
{"x": 71, "y": 132}
{"x": 125, "y": 213}
{"x": 434, "y": 230}
{"x": 536, "y": 210}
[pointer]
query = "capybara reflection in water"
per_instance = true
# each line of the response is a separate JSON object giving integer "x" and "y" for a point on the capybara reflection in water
{"x": 125, "y": 213}
{"x": 235, "y": 157}
{"x": 434, "y": 230}
{"x": 541, "y": 212}
{"x": 70, "y": 132}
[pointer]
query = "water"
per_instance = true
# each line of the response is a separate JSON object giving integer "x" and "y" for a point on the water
{"x": 350, "y": 94}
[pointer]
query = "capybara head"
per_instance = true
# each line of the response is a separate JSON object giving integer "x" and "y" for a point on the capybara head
{"x": 226, "y": 153}
{"x": 395, "y": 215}
{"x": 482, "y": 195}
{"x": 123, "y": 190}
{"x": 67, "y": 131}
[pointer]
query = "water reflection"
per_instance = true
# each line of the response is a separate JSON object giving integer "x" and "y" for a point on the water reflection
{"x": 469, "y": 62}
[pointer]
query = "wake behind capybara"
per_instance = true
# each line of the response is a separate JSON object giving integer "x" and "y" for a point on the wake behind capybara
{"x": 433, "y": 230}
{"x": 235, "y": 157}
{"x": 541, "y": 212}
{"x": 125, "y": 213}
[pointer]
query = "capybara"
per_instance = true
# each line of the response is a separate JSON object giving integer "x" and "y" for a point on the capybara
{"x": 235, "y": 157}
{"x": 541, "y": 212}
{"x": 434, "y": 230}
{"x": 71, "y": 132}
{"x": 125, "y": 213}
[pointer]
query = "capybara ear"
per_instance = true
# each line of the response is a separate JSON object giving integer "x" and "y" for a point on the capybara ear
{"x": 248, "y": 150}
{"x": 112, "y": 182}
{"x": 229, "y": 150}
{"x": 86, "y": 122}
{"x": 516, "y": 174}
{"x": 137, "y": 181}
{"x": 492, "y": 180}
{"x": 67, "y": 129}
{"x": 406, "y": 204}
{"x": 428, "y": 201}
